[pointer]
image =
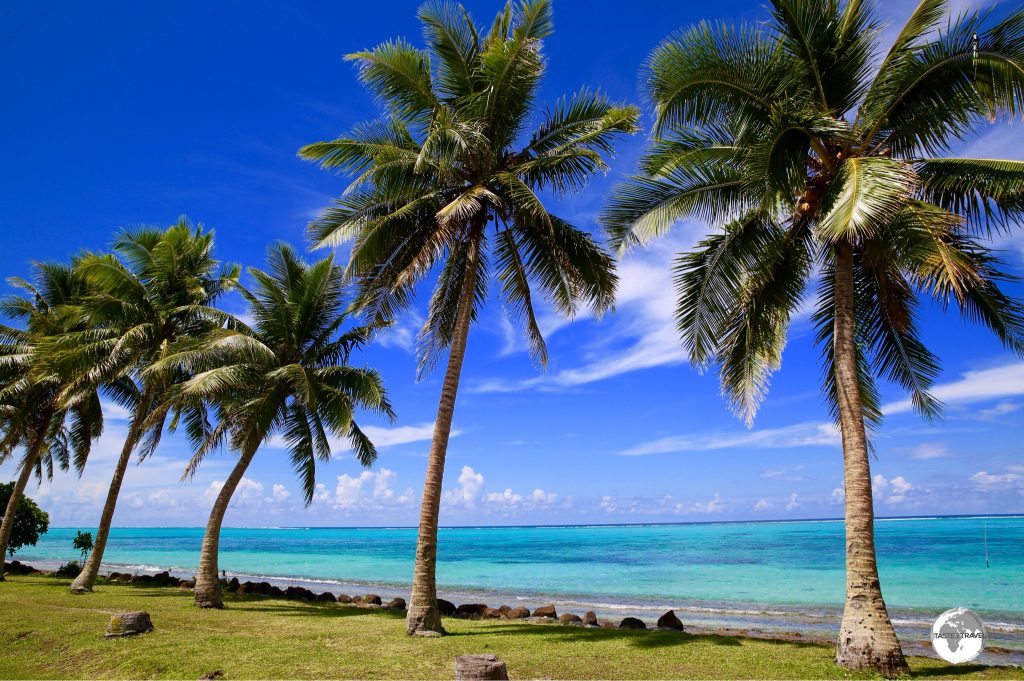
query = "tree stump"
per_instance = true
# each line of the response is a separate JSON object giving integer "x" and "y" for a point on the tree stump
{"x": 129, "y": 624}
{"x": 475, "y": 667}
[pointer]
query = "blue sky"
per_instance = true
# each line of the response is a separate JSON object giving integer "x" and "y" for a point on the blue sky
{"x": 125, "y": 113}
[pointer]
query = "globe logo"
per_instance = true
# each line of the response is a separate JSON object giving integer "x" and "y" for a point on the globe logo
{"x": 958, "y": 635}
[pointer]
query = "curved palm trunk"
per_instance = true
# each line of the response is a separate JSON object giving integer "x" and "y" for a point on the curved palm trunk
{"x": 207, "y": 589}
{"x": 867, "y": 639}
{"x": 423, "y": 614}
{"x": 31, "y": 457}
{"x": 87, "y": 578}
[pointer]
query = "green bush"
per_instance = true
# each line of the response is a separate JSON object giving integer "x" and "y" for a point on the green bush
{"x": 30, "y": 521}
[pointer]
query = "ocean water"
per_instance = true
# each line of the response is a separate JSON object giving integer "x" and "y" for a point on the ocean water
{"x": 785, "y": 576}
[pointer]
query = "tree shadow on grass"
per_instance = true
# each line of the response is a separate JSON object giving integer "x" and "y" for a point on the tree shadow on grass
{"x": 948, "y": 670}
{"x": 307, "y": 609}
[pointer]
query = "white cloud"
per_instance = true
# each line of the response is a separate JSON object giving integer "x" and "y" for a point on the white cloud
{"x": 793, "y": 503}
{"x": 715, "y": 505}
{"x": 930, "y": 450}
{"x": 247, "y": 492}
{"x": 994, "y": 481}
{"x": 974, "y": 386}
{"x": 763, "y": 505}
{"x": 608, "y": 504}
{"x": 381, "y": 436}
{"x": 506, "y": 498}
{"x": 280, "y": 492}
{"x": 891, "y": 491}
{"x": 783, "y": 474}
{"x": 799, "y": 435}
{"x": 402, "y": 334}
{"x": 838, "y": 495}
{"x": 468, "y": 491}
{"x": 1001, "y": 409}
{"x": 369, "y": 489}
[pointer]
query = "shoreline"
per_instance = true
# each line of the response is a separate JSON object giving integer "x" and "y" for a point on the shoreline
{"x": 772, "y": 623}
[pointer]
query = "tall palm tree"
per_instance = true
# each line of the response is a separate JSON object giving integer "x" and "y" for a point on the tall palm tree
{"x": 449, "y": 168}
{"x": 157, "y": 288}
{"x": 288, "y": 375}
{"x": 816, "y": 162}
{"x": 32, "y": 419}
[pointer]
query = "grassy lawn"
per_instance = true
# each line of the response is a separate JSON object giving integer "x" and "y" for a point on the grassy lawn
{"x": 45, "y": 632}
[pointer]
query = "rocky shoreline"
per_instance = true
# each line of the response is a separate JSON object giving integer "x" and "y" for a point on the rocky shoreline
{"x": 542, "y": 615}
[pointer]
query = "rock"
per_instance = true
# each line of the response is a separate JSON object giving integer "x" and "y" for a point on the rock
{"x": 446, "y": 608}
{"x": 590, "y": 618}
{"x": 429, "y": 633}
{"x": 210, "y": 676}
{"x": 233, "y": 585}
{"x": 371, "y": 599}
{"x": 569, "y": 618}
{"x": 396, "y": 603}
{"x": 517, "y": 613}
{"x": 326, "y": 597}
{"x": 504, "y": 610}
{"x": 670, "y": 621}
{"x": 546, "y": 611}
{"x": 632, "y": 623}
{"x": 114, "y": 577}
{"x": 471, "y": 610}
{"x": 479, "y": 667}
{"x": 608, "y": 625}
{"x": 344, "y": 598}
{"x": 492, "y": 614}
{"x": 298, "y": 593}
{"x": 245, "y": 588}
{"x": 162, "y": 578}
{"x": 187, "y": 584}
{"x": 275, "y": 591}
{"x": 17, "y": 568}
{"x": 129, "y": 624}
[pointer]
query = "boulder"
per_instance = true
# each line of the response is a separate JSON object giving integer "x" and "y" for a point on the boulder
{"x": 114, "y": 577}
{"x": 479, "y": 667}
{"x": 504, "y": 611}
{"x": 605, "y": 624}
{"x": 546, "y": 611}
{"x": 233, "y": 585}
{"x": 670, "y": 621}
{"x": 187, "y": 584}
{"x": 517, "y": 613}
{"x": 129, "y": 624}
{"x": 17, "y": 568}
{"x": 344, "y": 598}
{"x": 396, "y": 603}
{"x": 632, "y": 623}
{"x": 162, "y": 578}
{"x": 298, "y": 593}
{"x": 569, "y": 618}
{"x": 590, "y": 618}
{"x": 446, "y": 608}
{"x": 371, "y": 599}
{"x": 245, "y": 588}
{"x": 211, "y": 676}
{"x": 492, "y": 614}
{"x": 471, "y": 610}
{"x": 275, "y": 591}
{"x": 326, "y": 597}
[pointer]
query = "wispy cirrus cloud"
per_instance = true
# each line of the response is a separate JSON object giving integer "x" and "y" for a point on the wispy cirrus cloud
{"x": 982, "y": 385}
{"x": 808, "y": 434}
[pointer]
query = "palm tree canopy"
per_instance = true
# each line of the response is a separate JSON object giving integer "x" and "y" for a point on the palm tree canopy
{"x": 798, "y": 137}
{"x": 454, "y": 154}
{"x": 29, "y": 406}
{"x": 157, "y": 287}
{"x": 287, "y": 374}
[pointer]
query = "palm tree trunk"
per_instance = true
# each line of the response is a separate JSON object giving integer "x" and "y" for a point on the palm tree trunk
{"x": 867, "y": 639}
{"x": 423, "y": 615}
{"x": 87, "y": 578}
{"x": 31, "y": 457}
{"x": 207, "y": 589}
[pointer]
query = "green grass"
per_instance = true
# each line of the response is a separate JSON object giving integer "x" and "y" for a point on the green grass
{"x": 45, "y": 632}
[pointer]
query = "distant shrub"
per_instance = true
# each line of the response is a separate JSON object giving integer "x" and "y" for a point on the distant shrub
{"x": 30, "y": 521}
{"x": 69, "y": 570}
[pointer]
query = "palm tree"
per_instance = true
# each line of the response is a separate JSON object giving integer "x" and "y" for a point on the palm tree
{"x": 289, "y": 375}
{"x": 157, "y": 288}
{"x": 449, "y": 168}
{"x": 817, "y": 164}
{"x": 32, "y": 419}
